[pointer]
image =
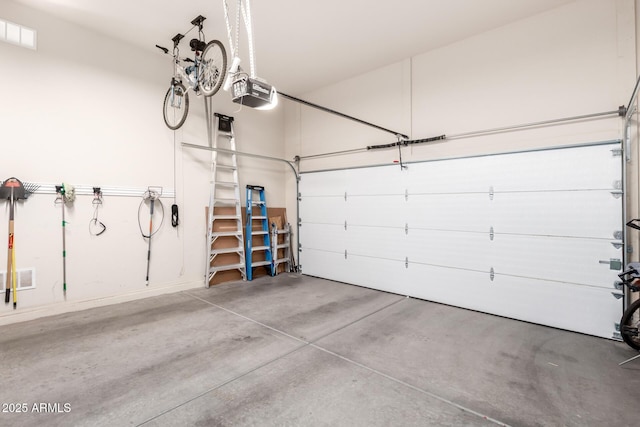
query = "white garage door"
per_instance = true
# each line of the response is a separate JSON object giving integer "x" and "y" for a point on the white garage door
{"x": 533, "y": 236}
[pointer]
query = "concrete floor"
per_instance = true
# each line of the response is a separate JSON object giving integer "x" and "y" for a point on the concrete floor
{"x": 300, "y": 351}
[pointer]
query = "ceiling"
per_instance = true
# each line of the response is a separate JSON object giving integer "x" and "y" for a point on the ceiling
{"x": 304, "y": 45}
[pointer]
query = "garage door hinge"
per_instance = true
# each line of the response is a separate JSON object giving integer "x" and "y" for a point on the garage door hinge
{"x": 345, "y": 254}
{"x": 406, "y": 195}
{"x": 614, "y": 263}
{"x": 618, "y": 236}
{"x": 345, "y": 225}
{"x": 492, "y": 274}
{"x": 618, "y": 285}
{"x": 616, "y": 333}
{"x": 299, "y": 197}
{"x": 345, "y": 196}
{"x": 491, "y": 234}
{"x": 406, "y": 262}
{"x": 616, "y": 152}
{"x": 617, "y": 192}
{"x": 406, "y": 228}
{"x": 491, "y": 193}
{"x": 299, "y": 222}
{"x": 617, "y": 295}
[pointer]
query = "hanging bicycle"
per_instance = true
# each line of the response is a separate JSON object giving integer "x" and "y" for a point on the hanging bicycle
{"x": 205, "y": 74}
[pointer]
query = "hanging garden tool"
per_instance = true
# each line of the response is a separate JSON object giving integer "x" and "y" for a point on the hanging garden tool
{"x": 96, "y": 227}
{"x": 13, "y": 189}
{"x": 152, "y": 195}
{"x": 66, "y": 194}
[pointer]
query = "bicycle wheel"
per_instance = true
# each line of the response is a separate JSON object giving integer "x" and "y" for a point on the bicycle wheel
{"x": 176, "y": 106}
{"x": 213, "y": 68}
{"x": 629, "y": 325}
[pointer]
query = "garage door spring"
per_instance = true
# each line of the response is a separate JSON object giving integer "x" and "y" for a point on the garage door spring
{"x": 404, "y": 142}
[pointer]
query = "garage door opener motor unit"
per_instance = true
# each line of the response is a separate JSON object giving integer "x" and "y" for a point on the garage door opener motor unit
{"x": 252, "y": 92}
{"x": 247, "y": 88}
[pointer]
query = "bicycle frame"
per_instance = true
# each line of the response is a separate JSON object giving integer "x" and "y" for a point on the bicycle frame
{"x": 180, "y": 75}
{"x": 180, "y": 72}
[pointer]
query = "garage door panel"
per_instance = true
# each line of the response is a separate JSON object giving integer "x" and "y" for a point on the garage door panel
{"x": 451, "y": 249}
{"x": 375, "y": 273}
{"x": 323, "y": 209}
{"x": 379, "y": 210}
{"x": 323, "y": 236}
{"x": 579, "y": 168}
{"x": 380, "y": 180}
{"x": 450, "y": 176}
{"x": 575, "y": 213}
{"x": 322, "y": 263}
{"x": 324, "y": 184}
{"x": 449, "y": 212}
{"x": 461, "y": 288}
{"x": 556, "y": 259}
{"x": 536, "y": 301}
{"x": 382, "y": 242}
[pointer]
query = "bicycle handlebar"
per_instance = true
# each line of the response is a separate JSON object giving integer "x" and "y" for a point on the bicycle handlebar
{"x": 164, "y": 49}
{"x": 634, "y": 223}
{"x": 628, "y": 277}
{"x": 630, "y": 272}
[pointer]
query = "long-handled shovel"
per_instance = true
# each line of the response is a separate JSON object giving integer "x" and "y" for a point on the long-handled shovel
{"x": 13, "y": 189}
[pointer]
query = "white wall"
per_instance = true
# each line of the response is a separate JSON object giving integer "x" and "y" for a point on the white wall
{"x": 87, "y": 110}
{"x": 574, "y": 60}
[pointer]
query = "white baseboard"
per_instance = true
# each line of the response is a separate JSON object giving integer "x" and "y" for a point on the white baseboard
{"x": 27, "y": 314}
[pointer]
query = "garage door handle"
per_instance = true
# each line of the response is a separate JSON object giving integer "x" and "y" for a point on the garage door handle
{"x": 614, "y": 264}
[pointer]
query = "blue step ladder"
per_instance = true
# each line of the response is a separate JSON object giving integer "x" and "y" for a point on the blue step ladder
{"x": 263, "y": 230}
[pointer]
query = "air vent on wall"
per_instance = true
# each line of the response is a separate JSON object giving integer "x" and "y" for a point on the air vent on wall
{"x": 26, "y": 279}
{"x": 17, "y": 34}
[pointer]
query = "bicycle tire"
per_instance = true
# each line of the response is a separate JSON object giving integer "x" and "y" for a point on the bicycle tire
{"x": 174, "y": 117}
{"x": 629, "y": 325}
{"x": 213, "y": 68}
